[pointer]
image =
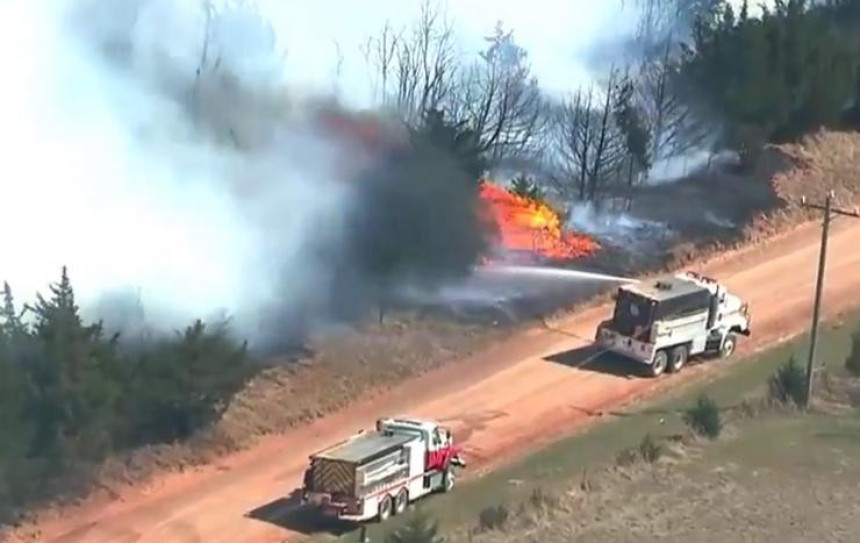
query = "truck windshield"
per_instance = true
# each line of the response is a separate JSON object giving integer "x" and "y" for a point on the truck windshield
{"x": 632, "y": 312}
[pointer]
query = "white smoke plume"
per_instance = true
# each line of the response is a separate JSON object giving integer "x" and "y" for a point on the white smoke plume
{"x": 197, "y": 193}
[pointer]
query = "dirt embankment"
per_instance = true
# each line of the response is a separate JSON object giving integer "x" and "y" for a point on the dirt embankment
{"x": 365, "y": 362}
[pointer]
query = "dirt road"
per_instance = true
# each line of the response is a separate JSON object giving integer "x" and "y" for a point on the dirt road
{"x": 516, "y": 396}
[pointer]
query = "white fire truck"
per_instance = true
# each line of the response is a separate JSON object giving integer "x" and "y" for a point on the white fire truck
{"x": 663, "y": 323}
{"x": 377, "y": 474}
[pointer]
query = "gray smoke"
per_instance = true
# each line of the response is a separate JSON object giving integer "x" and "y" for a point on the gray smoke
{"x": 151, "y": 147}
{"x": 158, "y": 149}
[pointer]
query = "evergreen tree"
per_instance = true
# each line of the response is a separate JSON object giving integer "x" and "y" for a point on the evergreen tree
{"x": 525, "y": 187}
{"x": 14, "y": 432}
{"x": 780, "y": 75}
{"x": 637, "y": 138}
{"x": 183, "y": 385}
{"x": 71, "y": 394}
{"x": 418, "y": 530}
{"x": 454, "y": 138}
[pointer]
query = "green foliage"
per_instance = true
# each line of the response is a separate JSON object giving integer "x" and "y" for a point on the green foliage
{"x": 634, "y": 130}
{"x": 454, "y": 138}
{"x": 418, "y": 221}
{"x": 784, "y": 74}
{"x": 852, "y": 363}
{"x": 184, "y": 384}
{"x": 525, "y": 187}
{"x": 704, "y": 418}
{"x": 70, "y": 395}
{"x": 788, "y": 384}
{"x": 417, "y": 530}
{"x": 494, "y": 518}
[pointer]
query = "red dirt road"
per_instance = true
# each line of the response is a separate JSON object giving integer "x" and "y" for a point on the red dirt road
{"x": 520, "y": 394}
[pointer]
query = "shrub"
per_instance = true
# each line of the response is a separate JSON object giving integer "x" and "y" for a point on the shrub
{"x": 650, "y": 450}
{"x": 704, "y": 418}
{"x": 626, "y": 457}
{"x": 788, "y": 384}
{"x": 540, "y": 499}
{"x": 494, "y": 518}
{"x": 852, "y": 363}
{"x": 418, "y": 530}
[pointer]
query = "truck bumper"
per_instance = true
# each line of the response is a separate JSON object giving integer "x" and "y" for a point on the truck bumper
{"x": 328, "y": 505}
{"x": 627, "y": 347}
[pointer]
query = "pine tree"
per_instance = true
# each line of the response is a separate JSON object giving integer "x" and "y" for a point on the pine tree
{"x": 525, "y": 187}
{"x": 637, "y": 138}
{"x": 183, "y": 384}
{"x": 418, "y": 530}
{"x": 780, "y": 75}
{"x": 73, "y": 393}
{"x": 14, "y": 431}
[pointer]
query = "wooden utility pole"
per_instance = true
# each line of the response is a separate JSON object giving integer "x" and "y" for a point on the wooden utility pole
{"x": 829, "y": 213}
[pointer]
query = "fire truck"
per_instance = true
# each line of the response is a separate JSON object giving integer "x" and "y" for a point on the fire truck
{"x": 376, "y": 474}
{"x": 663, "y": 323}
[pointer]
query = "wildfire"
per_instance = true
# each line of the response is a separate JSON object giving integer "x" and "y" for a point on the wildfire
{"x": 532, "y": 226}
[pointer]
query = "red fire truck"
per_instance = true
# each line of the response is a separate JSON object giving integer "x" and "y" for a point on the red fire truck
{"x": 376, "y": 474}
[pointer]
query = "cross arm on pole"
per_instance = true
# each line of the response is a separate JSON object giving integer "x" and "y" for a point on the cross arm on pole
{"x": 855, "y": 213}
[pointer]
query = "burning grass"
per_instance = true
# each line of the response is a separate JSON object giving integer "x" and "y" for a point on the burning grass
{"x": 528, "y": 225}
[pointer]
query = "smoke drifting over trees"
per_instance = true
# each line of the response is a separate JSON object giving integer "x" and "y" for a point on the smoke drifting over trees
{"x": 191, "y": 181}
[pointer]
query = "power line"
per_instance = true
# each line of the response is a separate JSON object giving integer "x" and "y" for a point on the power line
{"x": 829, "y": 213}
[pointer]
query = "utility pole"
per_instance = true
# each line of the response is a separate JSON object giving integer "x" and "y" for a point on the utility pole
{"x": 829, "y": 213}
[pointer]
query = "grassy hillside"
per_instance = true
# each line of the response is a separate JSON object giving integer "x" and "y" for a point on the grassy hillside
{"x": 596, "y": 487}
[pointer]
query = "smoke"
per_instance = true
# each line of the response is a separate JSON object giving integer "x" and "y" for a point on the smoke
{"x": 617, "y": 227}
{"x": 152, "y": 147}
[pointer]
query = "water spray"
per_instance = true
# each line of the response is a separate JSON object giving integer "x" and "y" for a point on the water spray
{"x": 550, "y": 272}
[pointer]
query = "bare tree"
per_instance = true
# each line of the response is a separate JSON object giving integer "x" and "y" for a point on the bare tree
{"x": 572, "y": 133}
{"x": 609, "y": 147}
{"x": 589, "y": 149}
{"x": 414, "y": 69}
{"x": 338, "y": 68}
{"x": 673, "y": 127}
{"x": 501, "y": 100}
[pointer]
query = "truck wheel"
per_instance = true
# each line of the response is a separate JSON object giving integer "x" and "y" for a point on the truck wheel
{"x": 385, "y": 507}
{"x": 728, "y": 347}
{"x": 678, "y": 358}
{"x": 658, "y": 365}
{"x": 401, "y": 501}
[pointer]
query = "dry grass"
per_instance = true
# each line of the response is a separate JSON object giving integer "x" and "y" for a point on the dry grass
{"x": 778, "y": 477}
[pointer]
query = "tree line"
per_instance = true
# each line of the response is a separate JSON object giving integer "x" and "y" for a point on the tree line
{"x": 70, "y": 394}
{"x": 705, "y": 77}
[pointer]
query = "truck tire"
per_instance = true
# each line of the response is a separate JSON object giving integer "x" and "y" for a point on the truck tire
{"x": 727, "y": 349}
{"x": 401, "y": 501}
{"x": 385, "y": 508}
{"x": 678, "y": 358}
{"x": 658, "y": 365}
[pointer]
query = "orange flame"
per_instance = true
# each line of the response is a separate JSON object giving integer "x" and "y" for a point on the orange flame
{"x": 528, "y": 225}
